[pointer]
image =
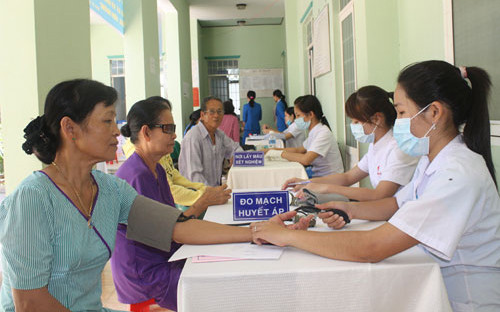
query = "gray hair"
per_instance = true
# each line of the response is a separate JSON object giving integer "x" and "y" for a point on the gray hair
{"x": 203, "y": 106}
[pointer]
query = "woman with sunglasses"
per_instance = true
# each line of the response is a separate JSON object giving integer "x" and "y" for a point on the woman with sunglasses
{"x": 373, "y": 116}
{"x": 139, "y": 271}
{"x": 450, "y": 208}
{"x": 184, "y": 192}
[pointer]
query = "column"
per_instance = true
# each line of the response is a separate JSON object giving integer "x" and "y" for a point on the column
{"x": 43, "y": 43}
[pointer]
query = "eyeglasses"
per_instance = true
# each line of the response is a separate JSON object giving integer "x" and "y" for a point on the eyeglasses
{"x": 213, "y": 112}
{"x": 165, "y": 128}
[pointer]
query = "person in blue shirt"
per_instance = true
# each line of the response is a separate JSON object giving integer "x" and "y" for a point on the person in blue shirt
{"x": 193, "y": 120}
{"x": 279, "y": 110}
{"x": 252, "y": 114}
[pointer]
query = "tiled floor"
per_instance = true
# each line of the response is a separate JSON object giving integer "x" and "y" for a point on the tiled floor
{"x": 109, "y": 299}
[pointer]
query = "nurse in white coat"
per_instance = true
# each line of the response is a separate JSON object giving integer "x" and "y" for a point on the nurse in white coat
{"x": 451, "y": 208}
{"x": 293, "y": 136}
{"x": 373, "y": 116}
{"x": 320, "y": 150}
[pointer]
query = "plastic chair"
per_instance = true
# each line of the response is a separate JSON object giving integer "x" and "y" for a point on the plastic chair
{"x": 142, "y": 306}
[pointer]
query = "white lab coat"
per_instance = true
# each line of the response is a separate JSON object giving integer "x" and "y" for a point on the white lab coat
{"x": 452, "y": 208}
{"x": 322, "y": 141}
{"x": 299, "y": 136}
{"x": 384, "y": 161}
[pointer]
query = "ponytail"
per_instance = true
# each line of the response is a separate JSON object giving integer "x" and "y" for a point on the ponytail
{"x": 325, "y": 122}
{"x": 251, "y": 96}
{"x": 477, "y": 128}
{"x": 430, "y": 81}
{"x": 277, "y": 93}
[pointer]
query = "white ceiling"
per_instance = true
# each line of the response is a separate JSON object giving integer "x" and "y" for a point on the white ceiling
{"x": 209, "y": 10}
{"x": 224, "y": 12}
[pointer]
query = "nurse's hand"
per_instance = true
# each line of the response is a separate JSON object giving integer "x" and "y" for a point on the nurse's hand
{"x": 334, "y": 221}
{"x": 295, "y": 187}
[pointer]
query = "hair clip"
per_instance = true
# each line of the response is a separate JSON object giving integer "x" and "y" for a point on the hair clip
{"x": 463, "y": 71}
{"x": 44, "y": 138}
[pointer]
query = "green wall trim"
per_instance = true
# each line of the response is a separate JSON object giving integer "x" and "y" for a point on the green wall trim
{"x": 309, "y": 7}
{"x": 115, "y": 56}
{"x": 221, "y": 57}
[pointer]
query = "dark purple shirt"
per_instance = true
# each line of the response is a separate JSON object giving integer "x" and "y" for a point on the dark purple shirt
{"x": 141, "y": 272}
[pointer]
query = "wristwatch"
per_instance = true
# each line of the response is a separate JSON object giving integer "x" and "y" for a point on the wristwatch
{"x": 183, "y": 218}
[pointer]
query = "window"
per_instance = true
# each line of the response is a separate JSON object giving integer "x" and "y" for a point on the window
{"x": 348, "y": 66}
{"x": 308, "y": 40}
{"x": 117, "y": 69}
{"x": 343, "y": 3}
{"x": 224, "y": 81}
{"x": 475, "y": 36}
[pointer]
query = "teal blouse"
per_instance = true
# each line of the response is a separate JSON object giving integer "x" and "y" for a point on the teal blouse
{"x": 47, "y": 242}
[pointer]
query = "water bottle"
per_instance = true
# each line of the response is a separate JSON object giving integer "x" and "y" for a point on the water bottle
{"x": 272, "y": 141}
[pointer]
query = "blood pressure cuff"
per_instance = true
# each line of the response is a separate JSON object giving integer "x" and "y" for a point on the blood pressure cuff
{"x": 311, "y": 198}
{"x": 152, "y": 223}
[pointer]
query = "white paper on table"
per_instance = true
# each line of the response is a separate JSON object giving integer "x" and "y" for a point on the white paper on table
{"x": 237, "y": 250}
{"x": 258, "y": 137}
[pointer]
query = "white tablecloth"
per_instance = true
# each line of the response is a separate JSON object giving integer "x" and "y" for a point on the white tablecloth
{"x": 272, "y": 174}
{"x": 301, "y": 281}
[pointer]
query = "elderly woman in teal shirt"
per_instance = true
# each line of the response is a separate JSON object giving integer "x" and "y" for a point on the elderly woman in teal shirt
{"x": 58, "y": 228}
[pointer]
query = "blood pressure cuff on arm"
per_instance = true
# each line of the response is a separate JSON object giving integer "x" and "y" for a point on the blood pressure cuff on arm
{"x": 152, "y": 223}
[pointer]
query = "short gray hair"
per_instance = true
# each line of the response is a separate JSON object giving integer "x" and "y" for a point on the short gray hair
{"x": 203, "y": 106}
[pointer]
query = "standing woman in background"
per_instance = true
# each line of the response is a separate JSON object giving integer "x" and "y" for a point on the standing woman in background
{"x": 373, "y": 117}
{"x": 279, "y": 110}
{"x": 230, "y": 123}
{"x": 320, "y": 149}
{"x": 252, "y": 114}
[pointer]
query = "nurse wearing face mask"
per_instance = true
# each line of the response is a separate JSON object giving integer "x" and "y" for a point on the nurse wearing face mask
{"x": 320, "y": 150}
{"x": 451, "y": 207}
{"x": 373, "y": 116}
{"x": 293, "y": 136}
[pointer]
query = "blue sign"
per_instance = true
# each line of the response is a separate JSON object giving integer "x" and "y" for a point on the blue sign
{"x": 259, "y": 205}
{"x": 248, "y": 159}
{"x": 111, "y": 11}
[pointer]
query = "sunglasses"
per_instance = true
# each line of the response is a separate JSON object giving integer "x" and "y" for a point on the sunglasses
{"x": 165, "y": 128}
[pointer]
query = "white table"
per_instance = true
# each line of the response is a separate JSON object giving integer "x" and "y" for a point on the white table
{"x": 272, "y": 174}
{"x": 301, "y": 281}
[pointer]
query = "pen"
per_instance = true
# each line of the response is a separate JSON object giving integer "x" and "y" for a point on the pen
{"x": 299, "y": 183}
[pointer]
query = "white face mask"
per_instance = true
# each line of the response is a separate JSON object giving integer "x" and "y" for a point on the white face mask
{"x": 359, "y": 133}
{"x": 407, "y": 142}
{"x": 301, "y": 124}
